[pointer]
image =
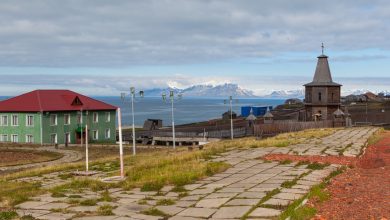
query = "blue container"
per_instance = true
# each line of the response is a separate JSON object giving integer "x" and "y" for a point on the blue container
{"x": 257, "y": 110}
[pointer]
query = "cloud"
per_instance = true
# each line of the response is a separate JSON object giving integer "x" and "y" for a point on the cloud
{"x": 95, "y": 33}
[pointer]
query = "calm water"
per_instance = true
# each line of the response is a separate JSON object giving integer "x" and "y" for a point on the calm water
{"x": 187, "y": 110}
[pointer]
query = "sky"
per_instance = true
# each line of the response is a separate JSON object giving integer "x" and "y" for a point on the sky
{"x": 102, "y": 48}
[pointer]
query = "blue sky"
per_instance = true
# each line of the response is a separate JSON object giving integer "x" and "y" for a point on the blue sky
{"x": 102, "y": 48}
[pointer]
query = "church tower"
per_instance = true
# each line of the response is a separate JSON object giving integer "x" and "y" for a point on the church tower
{"x": 322, "y": 95}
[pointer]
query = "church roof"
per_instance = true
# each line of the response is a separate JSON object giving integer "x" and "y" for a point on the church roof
{"x": 322, "y": 75}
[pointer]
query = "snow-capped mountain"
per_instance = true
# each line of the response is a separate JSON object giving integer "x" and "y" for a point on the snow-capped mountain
{"x": 285, "y": 94}
{"x": 223, "y": 90}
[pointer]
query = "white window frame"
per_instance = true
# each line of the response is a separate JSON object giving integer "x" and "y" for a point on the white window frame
{"x": 108, "y": 116}
{"x": 2, "y": 137}
{"x": 56, "y": 120}
{"x": 97, "y": 117}
{"x": 55, "y": 139}
{"x": 65, "y": 137}
{"x": 1, "y": 120}
{"x": 66, "y": 122}
{"x": 12, "y": 120}
{"x": 12, "y": 138}
{"x": 109, "y": 133}
{"x": 32, "y": 121}
{"x": 32, "y": 138}
{"x": 95, "y": 135}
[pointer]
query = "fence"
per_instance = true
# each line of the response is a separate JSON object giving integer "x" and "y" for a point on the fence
{"x": 288, "y": 126}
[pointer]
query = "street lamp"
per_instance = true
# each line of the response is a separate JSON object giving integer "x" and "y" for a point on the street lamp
{"x": 230, "y": 100}
{"x": 172, "y": 99}
{"x": 133, "y": 97}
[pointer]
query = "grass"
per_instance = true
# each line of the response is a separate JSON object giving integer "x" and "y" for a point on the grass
{"x": 155, "y": 212}
{"x": 376, "y": 137}
{"x": 317, "y": 166}
{"x": 105, "y": 196}
{"x": 12, "y": 193}
{"x": 105, "y": 210}
{"x": 165, "y": 202}
{"x": 88, "y": 202}
{"x": 341, "y": 151}
{"x": 8, "y": 215}
{"x": 283, "y": 162}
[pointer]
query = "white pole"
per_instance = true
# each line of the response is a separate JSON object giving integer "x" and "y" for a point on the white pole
{"x": 231, "y": 118}
{"x": 173, "y": 125}
{"x": 132, "y": 112}
{"x": 120, "y": 141}
{"x": 81, "y": 125}
{"x": 86, "y": 147}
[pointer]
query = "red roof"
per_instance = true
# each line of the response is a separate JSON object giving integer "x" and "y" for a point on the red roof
{"x": 52, "y": 100}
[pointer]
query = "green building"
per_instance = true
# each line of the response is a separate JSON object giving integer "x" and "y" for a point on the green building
{"x": 56, "y": 117}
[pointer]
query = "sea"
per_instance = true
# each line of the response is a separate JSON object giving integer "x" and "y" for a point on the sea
{"x": 187, "y": 110}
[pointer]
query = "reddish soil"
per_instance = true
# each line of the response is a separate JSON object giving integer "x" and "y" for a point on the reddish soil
{"x": 361, "y": 192}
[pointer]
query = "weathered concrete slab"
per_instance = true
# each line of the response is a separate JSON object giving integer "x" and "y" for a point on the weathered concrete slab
{"x": 265, "y": 212}
{"x": 244, "y": 202}
{"x": 211, "y": 203}
{"x": 231, "y": 212}
{"x": 198, "y": 212}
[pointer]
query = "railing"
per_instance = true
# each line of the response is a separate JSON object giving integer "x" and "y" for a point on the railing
{"x": 288, "y": 126}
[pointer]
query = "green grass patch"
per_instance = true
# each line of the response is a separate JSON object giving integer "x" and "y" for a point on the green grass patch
{"x": 8, "y": 215}
{"x": 105, "y": 196}
{"x": 105, "y": 210}
{"x": 264, "y": 199}
{"x": 78, "y": 185}
{"x": 155, "y": 212}
{"x": 289, "y": 183}
{"x": 317, "y": 166}
{"x": 88, "y": 202}
{"x": 57, "y": 194}
{"x": 165, "y": 202}
{"x": 13, "y": 193}
{"x": 285, "y": 162}
{"x": 75, "y": 196}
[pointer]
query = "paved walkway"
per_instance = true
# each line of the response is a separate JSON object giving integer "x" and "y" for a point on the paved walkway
{"x": 69, "y": 156}
{"x": 251, "y": 188}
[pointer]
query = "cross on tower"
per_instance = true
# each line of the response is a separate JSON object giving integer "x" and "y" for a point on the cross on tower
{"x": 322, "y": 48}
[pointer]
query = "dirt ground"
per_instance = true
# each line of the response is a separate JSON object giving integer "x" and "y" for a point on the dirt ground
{"x": 362, "y": 192}
{"x": 11, "y": 157}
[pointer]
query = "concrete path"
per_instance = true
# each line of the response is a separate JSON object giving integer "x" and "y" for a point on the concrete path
{"x": 250, "y": 189}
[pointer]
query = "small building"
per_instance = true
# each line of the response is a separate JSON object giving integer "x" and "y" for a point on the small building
{"x": 256, "y": 110}
{"x": 228, "y": 115}
{"x": 56, "y": 117}
{"x": 322, "y": 95}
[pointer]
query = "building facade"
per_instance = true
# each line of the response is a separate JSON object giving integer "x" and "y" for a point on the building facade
{"x": 56, "y": 117}
{"x": 322, "y": 95}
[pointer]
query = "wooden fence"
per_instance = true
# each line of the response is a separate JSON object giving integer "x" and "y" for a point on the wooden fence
{"x": 288, "y": 126}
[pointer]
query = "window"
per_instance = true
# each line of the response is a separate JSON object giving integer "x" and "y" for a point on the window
{"x": 67, "y": 138}
{"x": 4, "y": 138}
{"x": 53, "y": 138}
{"x": 30, "y": 120}
{"x": 319, "y": 96}
{"x": 4, "y": 120}
{"x": 107, "y": 134}
{"x": 108, "y": 117}
{"x": 95, "y": 117}
{"x": 29, "y": 138}
{"x": 53, "y": 119}
{"x": 15, "y": 120}
{"x": 66, "y": 119}
{"x": 95, "y": 135}
{"x": 15, "y": 138}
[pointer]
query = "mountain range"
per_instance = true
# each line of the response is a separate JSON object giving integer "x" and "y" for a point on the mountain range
{"x": 230, "y": 89}
{"x": 223, "y": 90}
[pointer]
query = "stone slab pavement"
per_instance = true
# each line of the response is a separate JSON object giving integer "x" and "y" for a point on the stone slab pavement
{"x": 251, "y": 188}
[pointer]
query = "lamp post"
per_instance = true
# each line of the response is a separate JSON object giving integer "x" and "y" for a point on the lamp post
{"x": 132, "y": 97}
{"x": 230, "y": 100}
{"x": 172, "y": 100}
